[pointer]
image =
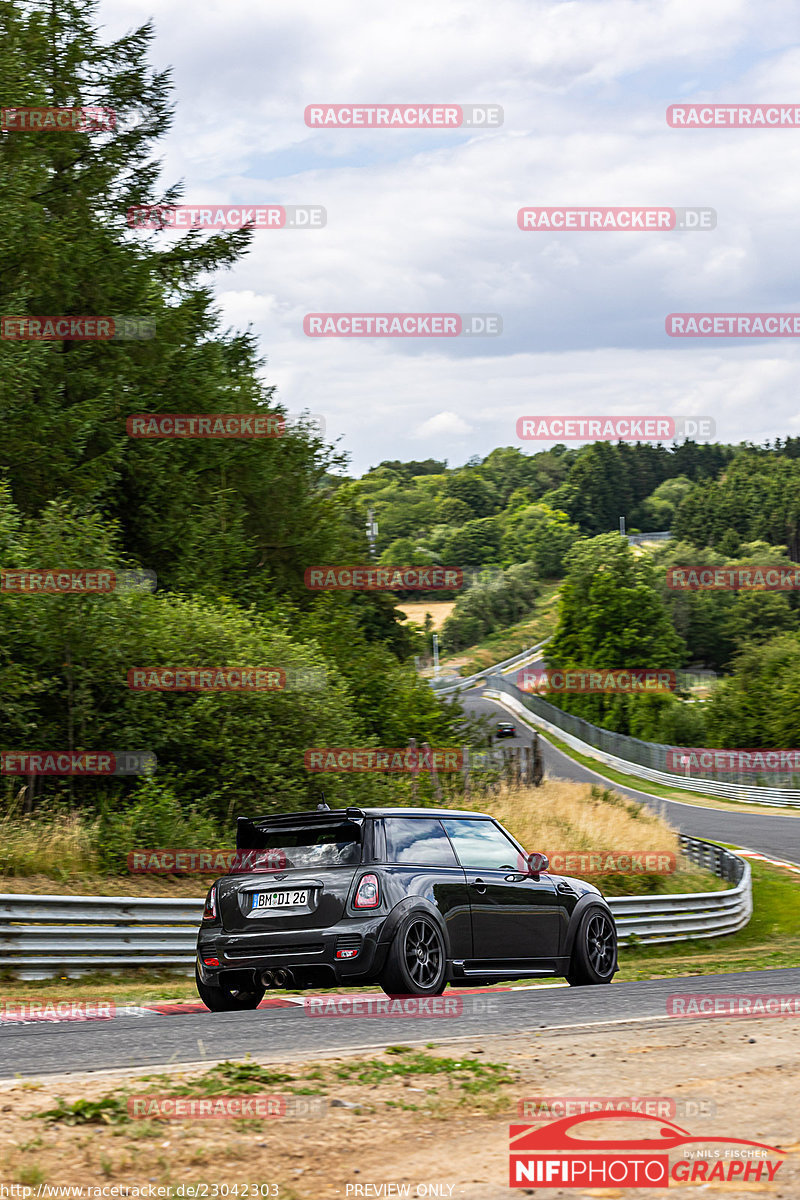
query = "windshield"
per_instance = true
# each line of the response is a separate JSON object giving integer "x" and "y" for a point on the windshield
{"x": 311, "y": 845}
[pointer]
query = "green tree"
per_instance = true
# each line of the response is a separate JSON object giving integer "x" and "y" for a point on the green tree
{"x": 612, "y": 615}
{"x": 502, "y": 599}
{"x": 234, "y": 517}
{"x": 475, "y": 544}
{"x": 468, "y": 486}
{"x": 541, "y": 535}
{"x": 759, "y": 704}
{"x": 658, "y": 509}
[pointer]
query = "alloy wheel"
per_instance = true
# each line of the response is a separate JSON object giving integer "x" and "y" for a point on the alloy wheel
{"x": 423, "y": 953}
{"x": 600, "y": 942}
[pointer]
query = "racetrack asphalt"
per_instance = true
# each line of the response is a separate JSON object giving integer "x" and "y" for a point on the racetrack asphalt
{"x": 284, "y": 1034}
{"x": 771, "y": 834}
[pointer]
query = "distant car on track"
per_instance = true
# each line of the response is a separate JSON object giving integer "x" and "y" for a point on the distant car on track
{"x": 409, "y": 898}
{"x": 505, "y": 729}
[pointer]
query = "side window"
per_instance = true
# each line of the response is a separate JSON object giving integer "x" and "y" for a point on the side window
{"x": 418, "y": 841}
{"x": 480, "y": 845}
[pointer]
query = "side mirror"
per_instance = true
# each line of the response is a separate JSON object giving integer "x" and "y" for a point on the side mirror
{"x": 537, "y": 863}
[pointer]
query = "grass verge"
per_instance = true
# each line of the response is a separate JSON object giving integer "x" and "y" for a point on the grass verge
{"x": 504, "y": 643}
{"x": 770, "y": 940}
{"x": 84, "y": 1131}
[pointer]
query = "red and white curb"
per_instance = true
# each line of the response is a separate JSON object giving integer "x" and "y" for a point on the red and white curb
{"x": 178, "y": 1008}
{"x": 771, "y": 862}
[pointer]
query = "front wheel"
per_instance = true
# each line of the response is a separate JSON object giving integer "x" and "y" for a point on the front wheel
{"x": 220, "y": 998}
{"x": 416, "y": 964}
{"x": 594, "y": 954}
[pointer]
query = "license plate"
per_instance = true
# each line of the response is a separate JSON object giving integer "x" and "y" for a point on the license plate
{"x": 280, "y": 899}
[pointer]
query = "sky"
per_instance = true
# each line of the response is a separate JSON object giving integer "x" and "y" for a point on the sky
{"x": 425, "y": 221}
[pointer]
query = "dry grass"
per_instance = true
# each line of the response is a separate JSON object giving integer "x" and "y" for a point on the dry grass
{"x": 35, "y": 853}
{"x": 564, "y": 817}
{"x": 57, "y": 849}
{"x": 558, "y": 817}
{"x": 439, "y": 609}
{"x": 561, "y": 815}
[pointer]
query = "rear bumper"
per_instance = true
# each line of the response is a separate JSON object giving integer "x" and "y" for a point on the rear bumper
{"x": 306, "y": 950}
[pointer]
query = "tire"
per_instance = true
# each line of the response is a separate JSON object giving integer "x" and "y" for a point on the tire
{"x": 594, "y": 954}
{"x": 224, "y": 999}
{"x": 417, "y": 963}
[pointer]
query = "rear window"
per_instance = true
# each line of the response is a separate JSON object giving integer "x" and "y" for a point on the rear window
{"x": 336, "y": 845}
{"x": 418, "y": 841}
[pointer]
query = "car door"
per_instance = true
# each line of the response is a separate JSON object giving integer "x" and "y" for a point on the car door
{"x": 515, "y": 917}
{"x": 420, "y": 856}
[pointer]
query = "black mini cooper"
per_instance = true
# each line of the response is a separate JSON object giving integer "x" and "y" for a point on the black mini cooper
{"x": 409, "y": 898}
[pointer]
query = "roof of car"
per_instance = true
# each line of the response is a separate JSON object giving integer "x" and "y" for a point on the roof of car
{"x": 324, "y": 813}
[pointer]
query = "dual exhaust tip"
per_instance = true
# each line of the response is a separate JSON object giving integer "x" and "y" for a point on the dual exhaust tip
{"x": 277, "y": 979}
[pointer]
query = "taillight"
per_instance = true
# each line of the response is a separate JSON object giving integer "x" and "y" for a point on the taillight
{"x": 210, "y": 910}
{"x": 367, "y": 894}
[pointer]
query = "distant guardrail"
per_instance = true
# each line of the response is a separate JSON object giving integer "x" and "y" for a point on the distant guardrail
{"x": 631, "y": 756}
{"x": 515, "y": 662}
{"x": 42, "y": 936}
{"x": 637, "y": 539}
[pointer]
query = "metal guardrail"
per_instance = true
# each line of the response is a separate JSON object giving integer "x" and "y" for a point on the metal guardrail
{"x": 42, "y": 936}
{"x": 508, "y": 664}
{"x": 639, "y": 539}
{"x": 672, "y": 918}
{"x": 644, "y": 760}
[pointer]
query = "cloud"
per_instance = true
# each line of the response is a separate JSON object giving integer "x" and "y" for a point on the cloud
{"x": 444, "y": 424}
{"x": 425, "y": 221}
